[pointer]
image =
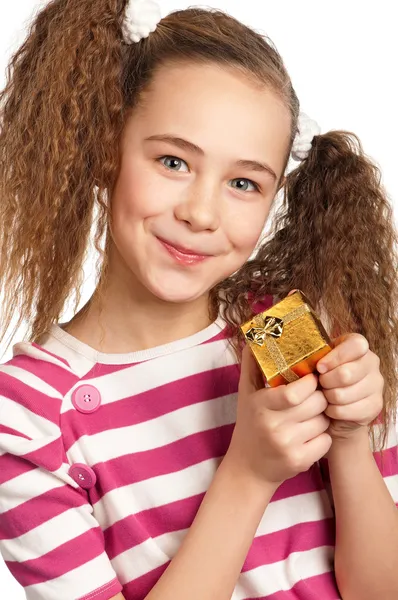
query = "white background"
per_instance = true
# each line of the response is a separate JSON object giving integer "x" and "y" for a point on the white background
{"x": 342, "y": 60}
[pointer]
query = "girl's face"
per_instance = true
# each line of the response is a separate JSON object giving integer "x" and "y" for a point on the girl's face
{"x": 201, "y": 162}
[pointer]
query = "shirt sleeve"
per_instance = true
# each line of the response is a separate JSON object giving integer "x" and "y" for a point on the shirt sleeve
{"x": 49, "y": 539}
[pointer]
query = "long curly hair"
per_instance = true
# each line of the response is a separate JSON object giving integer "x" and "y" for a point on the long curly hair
{"x": 69, "y": 91}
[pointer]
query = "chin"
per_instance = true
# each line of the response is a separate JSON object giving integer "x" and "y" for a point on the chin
{"x": 177, "y": 296}
{"x": 175, "y": 290}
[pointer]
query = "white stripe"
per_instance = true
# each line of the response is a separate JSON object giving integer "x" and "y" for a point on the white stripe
{"x": 158, "y": 432}
{"x": 79, "y": 364}
{"x": 142, "y": 377}
{"x": 164, "y": 489}
{"x": 26, "y": 348}
{"x": 41, "y": 430}
{"x": 278, "y": 516}
{"x": 31, "y": 484}
{"x": 157, "y": 491}
{"x": 283, "y": 575}
{"x": 77, "y": 583}
{"x": 137, "y": 561}
{"x": 304, "y": 508}
{"x": 50, "y": 535}
{"x": 264, "y": 580}
{"x": 29, "y": 379}
{"x": 392, "y": 484}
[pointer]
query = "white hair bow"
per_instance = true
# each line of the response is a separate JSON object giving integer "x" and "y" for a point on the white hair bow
{"x": 307, "y": 130}
{"x": 141, "y": 18}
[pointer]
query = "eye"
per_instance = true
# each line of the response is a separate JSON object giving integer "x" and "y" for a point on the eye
{"x": 244, "y": 182}
{"x": 174, "y": 162}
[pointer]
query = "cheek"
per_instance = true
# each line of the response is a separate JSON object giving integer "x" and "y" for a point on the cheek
{"x": 136, "y": 195}
{"x": 244, "y": 229}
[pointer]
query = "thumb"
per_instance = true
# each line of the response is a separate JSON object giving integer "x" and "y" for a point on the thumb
{"x": 251, "y": 377}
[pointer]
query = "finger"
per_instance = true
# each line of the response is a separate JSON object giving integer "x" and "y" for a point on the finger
{"x": 350, "y": 373}
{"x": 353, "y": 393}
{"x": 312, "y": 428}
{"x": 251, "y": 378}
{"x": 290, "y": 395}
{"x": 292, "y": 292}
{"x": 361, "y": 412}
{"x": 347, "y": 347}
{"x": 311, "y": 407}
{"x": 317, "y": 448}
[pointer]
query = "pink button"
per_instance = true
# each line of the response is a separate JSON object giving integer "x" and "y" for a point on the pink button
{"x": 83, "y": 475}
{"x": 86, "y": 398}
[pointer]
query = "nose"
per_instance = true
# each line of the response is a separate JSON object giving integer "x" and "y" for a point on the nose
{"x": 199, "y": 209}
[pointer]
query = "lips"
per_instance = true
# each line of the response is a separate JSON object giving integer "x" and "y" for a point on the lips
{"x": 181, "y": 257}
{"x": 183, "y": 250}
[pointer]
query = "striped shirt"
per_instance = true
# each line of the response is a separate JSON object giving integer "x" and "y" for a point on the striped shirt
{"x": 105, "y": 459}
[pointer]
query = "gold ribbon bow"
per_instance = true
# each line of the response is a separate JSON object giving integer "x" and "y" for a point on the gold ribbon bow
{"x": 268, "y": 329}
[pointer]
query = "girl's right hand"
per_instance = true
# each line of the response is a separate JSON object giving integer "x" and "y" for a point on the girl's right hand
{"x": 279, "y": 431}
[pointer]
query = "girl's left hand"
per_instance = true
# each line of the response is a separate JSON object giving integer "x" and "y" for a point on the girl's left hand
{"x": 352, "y": 385}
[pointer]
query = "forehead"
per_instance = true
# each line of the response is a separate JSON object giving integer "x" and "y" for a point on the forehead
{"x": 219, "y": 109}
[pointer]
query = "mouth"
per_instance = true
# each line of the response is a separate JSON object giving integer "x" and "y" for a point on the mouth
{"x": 183, "y": 255}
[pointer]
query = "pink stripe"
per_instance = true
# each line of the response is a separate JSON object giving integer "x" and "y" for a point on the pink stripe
{"x": 136, "y": 529}
{"x": 61, "y": 560}
{"x": 219, "y": 336}
{"x": 266, "y": 299}
{"x": 12, "y": 467}
{"x": 140, "y": 587}
{"x": 319, "y": 587}
{"x": 178, "y": 515}
{"x": 55, "y": 375}
{"x": 191, "y": 450}
{"x": 39, "y": 509}
{"x": 141, "y": 466}
{"x": 388, "y": 462}
{"x": 303, "y": 483}
{"x": 49, "y": 457}
{"x": 102, "y": 593}
{"x": 152, "y": 403}
{"x": 276, "y": 546}
{"x": 10, "y": 431}
{"x": 260, "y": 307}
{"x": 37, "y": 402}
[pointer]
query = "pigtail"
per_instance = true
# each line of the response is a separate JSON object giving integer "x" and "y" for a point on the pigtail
{"x": 334, "y": 238}
{"x": 60, "y": 115}
{"x": 336, "y": 195}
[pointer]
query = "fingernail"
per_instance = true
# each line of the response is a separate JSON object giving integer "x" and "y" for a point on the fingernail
{"x": 322, "y": 367}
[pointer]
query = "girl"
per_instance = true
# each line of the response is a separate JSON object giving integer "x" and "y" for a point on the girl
{"x": 140, "y": 454}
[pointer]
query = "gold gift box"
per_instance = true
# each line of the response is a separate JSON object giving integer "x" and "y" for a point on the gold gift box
{"x": 287, "y": 339}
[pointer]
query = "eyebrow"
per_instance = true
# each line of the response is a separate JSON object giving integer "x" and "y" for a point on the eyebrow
{"x": 254, "y": 165}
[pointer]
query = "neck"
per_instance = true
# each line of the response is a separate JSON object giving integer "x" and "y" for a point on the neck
{"x": 136, "y": 320}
